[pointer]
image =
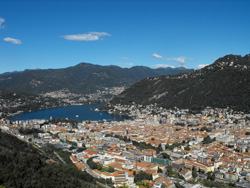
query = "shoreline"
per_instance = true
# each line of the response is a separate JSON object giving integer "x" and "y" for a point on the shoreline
{"x": 81, "y": 112}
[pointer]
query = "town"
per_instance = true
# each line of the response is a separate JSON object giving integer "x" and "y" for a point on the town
{"x": 157, "y": 148}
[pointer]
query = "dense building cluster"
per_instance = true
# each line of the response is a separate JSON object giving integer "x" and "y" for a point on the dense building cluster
{"x": 171, "y": 147}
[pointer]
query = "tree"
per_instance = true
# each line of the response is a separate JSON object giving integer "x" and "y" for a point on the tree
{"x": 165, "y": 156}
{"x": 123, "y": 186}
{"x": 142, "y": 176}
{"x": 207, "y": 140}
{"x": 176, "y": 144}
{"x": 109, "y": 181}
{"x": 177, "y": 185}
{"x": 99, "y": 167}
{"x": 211, "y": 176}
{"x": 231, "y": 184}
{"x": 143, "y": 184}
{"x": 167, "y": 146}
{"x": 187, "y": 148}
{"x": 91, "y": 164}
{"x": 159, "y": 170}
{"x": 204, "y": 129}
{"x": 169, "y": 170}
{"x": 81, "y": 149}
{"x": 125, "y": 139}
{"x": 194, "y": 172}
{"x": 24, "y": 166}
{"x": 159, "y": 149}
{"x": 201, "y": 171}
{"x": 111, "y": 169}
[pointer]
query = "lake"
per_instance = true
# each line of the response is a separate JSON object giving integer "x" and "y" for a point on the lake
{"x": 76, "y": 112}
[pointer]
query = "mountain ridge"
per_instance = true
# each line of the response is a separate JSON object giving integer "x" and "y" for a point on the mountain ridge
{"x": 225, "y": 83}
{"x": 83, "y": 78}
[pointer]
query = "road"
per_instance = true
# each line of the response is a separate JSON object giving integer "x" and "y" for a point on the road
{"x": 58, "y": 156}
{"x": 89, "y": 170}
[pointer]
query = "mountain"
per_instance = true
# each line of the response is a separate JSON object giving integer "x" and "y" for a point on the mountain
{"x": 84, "y": 78}
{"x": 225, "y": 83}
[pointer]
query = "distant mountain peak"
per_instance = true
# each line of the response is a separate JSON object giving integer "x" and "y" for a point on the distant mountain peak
{"x": 84, "y": 64}
{"x": 232, "y": 60}
{"x": 181, "y": 68}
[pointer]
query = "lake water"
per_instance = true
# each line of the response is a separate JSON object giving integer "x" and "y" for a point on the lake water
{"x": 76, "y": 112}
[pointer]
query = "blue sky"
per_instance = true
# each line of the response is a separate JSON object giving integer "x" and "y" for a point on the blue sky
{"x": 62, "y": 33}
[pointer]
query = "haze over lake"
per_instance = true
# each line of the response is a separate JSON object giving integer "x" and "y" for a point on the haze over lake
{"x": 76, "y": 112}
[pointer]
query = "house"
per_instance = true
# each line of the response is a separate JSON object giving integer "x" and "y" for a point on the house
{"x": 219, "y": 175}
{"x": 150, "y": 183}
{"x": 209, "y": 168}
{"x": 248, "y": 177}
{"x": 73, "y": 159}
{"x": 217, "y": 164}
{"x": 231, "y": 176}
{"x": 78, "y": 164}
{"x": 187, "y": 174}
{"x": 157, "y": 185}
{"x": 121, "y": 177}
{"x": 151, "y": 152}
{"x": 147, "y": 158}
{"x": 153, "y": 173}
{"x": 178, "y": 164}
{"x": 85, "y": 158}
{"x": 128, "y": 165}
{"x": 163, "y": 181}
{"x": 115, "y": 165}
{"x": 144, "y": 166}
{"x": 105, "y": 175}
{"x": 107, "y": 161}
{"x": 90, "y": 153}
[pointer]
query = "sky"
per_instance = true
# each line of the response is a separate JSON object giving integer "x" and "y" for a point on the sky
{"x": 155, "y": 33}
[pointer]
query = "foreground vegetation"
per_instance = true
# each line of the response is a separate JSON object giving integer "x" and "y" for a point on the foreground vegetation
{"x": 22, "y": 166}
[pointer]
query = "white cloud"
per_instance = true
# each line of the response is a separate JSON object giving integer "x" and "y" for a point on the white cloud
{"x": 157, "y": 56}
{"x": 201, "y": 66}
{"x": 125, "y": 58}
{"x": 162, "y": 66}
{"x": 100, "y": 33}
{"x": 91, "y": 36}
{"x": 13, "y": 41}
{"x": 125, "y": 64}
{"x": 1, "y": 22}
{"x": 181, "y": 60}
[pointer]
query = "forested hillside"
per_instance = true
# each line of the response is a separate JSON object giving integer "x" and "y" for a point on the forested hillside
{"x": 225, "y": 83}
{"x": 83, "y": 78}
{"x": 22, "y": 166}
